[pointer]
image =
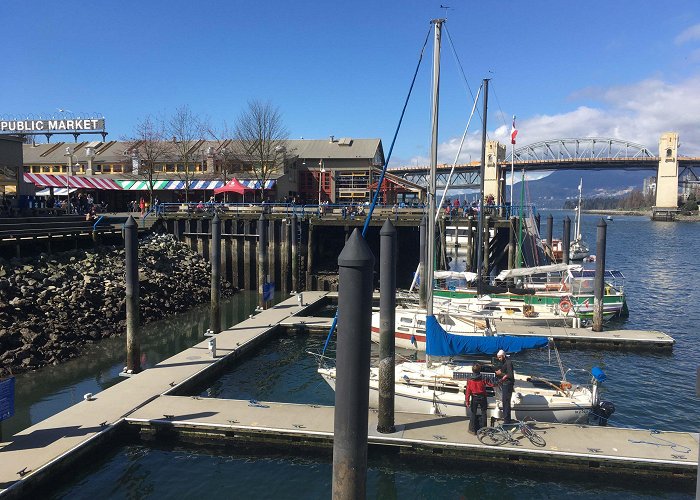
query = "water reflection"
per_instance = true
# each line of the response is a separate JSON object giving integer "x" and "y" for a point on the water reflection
{"x": 52, "y": 389}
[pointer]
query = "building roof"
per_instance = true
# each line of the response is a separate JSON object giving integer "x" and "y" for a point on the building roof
{"x": 116, "y": 151}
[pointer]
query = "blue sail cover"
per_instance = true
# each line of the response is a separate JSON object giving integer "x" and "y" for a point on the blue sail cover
{"x": 440, "y": 343}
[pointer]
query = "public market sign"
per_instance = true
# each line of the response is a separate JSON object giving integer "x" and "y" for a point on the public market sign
{"x": 48, "y": 126}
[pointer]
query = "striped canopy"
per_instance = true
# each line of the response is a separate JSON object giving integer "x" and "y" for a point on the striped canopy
{"x": 168, "y": 184}
{"x": 75, "y": 181}
{"x": 255, "y": 184}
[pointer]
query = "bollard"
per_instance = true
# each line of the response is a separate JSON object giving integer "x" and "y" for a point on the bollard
{"x": 387, "y": 321}
{"x": 422, "y": 291}
{"x": 599, "y": 277}
{"x": 550, "y": 227}
{"x": 262, "y": 260}
{"x": 131, "y": 252}
{"x": 215, "y": 261}
{"x": 212, "y": 346}
{"x": 355, "y": 268}
{"x": 566, "y": 240}
{"x": 300, "y": 299}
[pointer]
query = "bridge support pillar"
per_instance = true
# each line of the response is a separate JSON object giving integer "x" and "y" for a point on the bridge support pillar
{"x": 667, "y": 175}
{"x": 493, "y": 185}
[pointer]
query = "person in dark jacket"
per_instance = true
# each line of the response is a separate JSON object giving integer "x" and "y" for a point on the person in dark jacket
{"x": 475, "y": 398}
{"x": 506, "y": 375}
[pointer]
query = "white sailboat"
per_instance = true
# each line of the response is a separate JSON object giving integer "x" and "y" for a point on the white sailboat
{"x": 438, "y": 388}
{"x": 578, "y": 250}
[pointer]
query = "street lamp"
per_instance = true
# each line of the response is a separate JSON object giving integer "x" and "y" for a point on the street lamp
{"x": 322, "y": 170}
{"x": 69, "y": 154}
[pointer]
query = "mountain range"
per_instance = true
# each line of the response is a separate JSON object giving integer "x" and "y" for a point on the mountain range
{"x": 554, "y": 189}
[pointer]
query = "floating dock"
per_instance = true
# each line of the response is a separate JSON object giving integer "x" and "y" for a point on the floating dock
{"x": 152, "y": 401}
{"x": 581, "y": 448}
{"x": 563, "y": 336}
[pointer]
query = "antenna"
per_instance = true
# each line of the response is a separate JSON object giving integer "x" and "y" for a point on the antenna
{"x": 445, "y": 8}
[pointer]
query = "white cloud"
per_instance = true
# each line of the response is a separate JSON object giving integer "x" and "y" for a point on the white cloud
{"x": 639, "y": 113}
{"x": 688, "y": 35}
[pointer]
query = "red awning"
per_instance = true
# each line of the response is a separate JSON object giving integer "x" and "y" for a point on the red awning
{"x": 75, "y": 181}
{"x": 233, "y": 186}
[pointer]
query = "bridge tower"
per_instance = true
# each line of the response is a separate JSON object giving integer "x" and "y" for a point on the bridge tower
{"x": 494, "y": 182}
{"x": 667, "y": 175}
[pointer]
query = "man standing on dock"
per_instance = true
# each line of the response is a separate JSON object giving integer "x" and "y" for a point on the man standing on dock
{"x": 507, "y": 378}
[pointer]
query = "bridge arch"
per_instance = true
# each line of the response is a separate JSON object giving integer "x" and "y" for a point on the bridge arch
{"x": 588, "y": 148}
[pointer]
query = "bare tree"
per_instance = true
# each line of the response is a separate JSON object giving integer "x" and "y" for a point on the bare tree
{"x": 149, "y": 149}
{"x": 260, "y": 141}
{"x": 187, "y": 133}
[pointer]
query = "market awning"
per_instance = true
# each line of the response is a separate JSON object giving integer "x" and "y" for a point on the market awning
{"x": 75, "y": 181}
{"x": 168, "y": 184}
{"x": 255, "y": 184}
{"x": 56, "y": 192}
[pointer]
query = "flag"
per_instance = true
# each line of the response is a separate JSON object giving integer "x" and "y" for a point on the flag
{"x": 513, "y": 132}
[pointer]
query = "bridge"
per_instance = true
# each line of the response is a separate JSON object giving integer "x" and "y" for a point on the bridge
{"x": 591, "y": 153}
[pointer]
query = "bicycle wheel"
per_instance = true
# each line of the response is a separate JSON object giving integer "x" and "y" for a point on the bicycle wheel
{"x": 491, "y": 436}
{"x": 534, "y": 438}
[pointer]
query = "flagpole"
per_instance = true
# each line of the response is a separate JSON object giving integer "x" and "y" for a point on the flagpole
{"x": 512, "y": 163}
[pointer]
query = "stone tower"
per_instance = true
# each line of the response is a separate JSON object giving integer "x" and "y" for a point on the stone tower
{"x": 667, "y": 176}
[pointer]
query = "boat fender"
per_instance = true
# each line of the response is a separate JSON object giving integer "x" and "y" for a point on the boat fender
{"x": 565, "y": 385}
{"x": 565, "y": 305}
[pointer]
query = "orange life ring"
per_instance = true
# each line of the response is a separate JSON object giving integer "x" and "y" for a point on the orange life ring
{"x": 565, "y": 305}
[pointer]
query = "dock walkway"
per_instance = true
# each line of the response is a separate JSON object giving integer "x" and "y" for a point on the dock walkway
{"x": 563, "y": 336}
{"x": 569, "y": 447}
{"x": 31, "y": 452}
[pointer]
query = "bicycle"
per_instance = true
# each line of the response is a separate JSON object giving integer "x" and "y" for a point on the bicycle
{"x": 496, "y": 436}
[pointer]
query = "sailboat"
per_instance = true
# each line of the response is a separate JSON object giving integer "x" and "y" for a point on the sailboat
{"x": 578, "y": 250}
{"x": 438, "y": 387}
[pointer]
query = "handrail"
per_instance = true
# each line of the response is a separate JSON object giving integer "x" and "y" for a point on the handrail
{"x": 94, "y": 226}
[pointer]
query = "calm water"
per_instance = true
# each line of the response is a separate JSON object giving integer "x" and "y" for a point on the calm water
{"x": 649, "y": 390}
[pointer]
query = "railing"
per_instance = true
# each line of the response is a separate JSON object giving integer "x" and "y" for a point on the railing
{"x": 342, "y": 210}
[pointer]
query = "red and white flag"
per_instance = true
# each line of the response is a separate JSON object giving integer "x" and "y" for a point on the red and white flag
{"x": 513, "y": 132}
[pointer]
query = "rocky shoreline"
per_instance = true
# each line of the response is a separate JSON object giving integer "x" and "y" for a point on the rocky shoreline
{"x": 53, "y": 306}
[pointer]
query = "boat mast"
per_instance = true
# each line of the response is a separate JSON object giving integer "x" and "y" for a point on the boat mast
{"x": 429, "y": 272}
{"x": 578, "y": 212}
{"x": 480, "y": 239}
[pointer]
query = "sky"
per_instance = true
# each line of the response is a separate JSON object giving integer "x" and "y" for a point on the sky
{"x": 626, "y": 69}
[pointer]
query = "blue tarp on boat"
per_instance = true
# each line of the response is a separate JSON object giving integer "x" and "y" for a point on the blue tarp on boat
{"x": 441, "y": 343}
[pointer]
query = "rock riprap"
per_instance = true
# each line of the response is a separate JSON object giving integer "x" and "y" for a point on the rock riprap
{"x": 53, "y": 306}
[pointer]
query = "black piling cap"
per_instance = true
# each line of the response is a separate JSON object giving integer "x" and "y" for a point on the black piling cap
{"x": 262, "y": 216}
{"x": 602, "y": 223}
{"x": 387, "y": 229}
{"x": 130, "y": 222}
{"x": 215, "y": 219}
{"x": 356, "y": 252}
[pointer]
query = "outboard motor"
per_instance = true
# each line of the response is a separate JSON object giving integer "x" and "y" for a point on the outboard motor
{"x": 603, "y": 410}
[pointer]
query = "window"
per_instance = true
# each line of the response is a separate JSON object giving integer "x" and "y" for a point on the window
{"x": 169, "y": 167}
{"x": 669, "y": 153}
{"x": 55, "y": 168}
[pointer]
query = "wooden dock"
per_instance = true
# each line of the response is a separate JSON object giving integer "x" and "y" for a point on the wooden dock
{"x": 152, "y": 400}
{"x": 50, "y": 446}
{"x": 606, "y": 450}
{"x": 563, "y": 336}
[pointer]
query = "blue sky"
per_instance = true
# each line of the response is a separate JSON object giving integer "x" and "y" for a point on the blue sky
{"x": 624, "y": 69}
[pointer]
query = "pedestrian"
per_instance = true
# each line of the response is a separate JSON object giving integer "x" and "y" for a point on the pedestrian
{"x": 506, "y": 375}
{"x": 475, "y": 399}
{"x": 142, "y": 205}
